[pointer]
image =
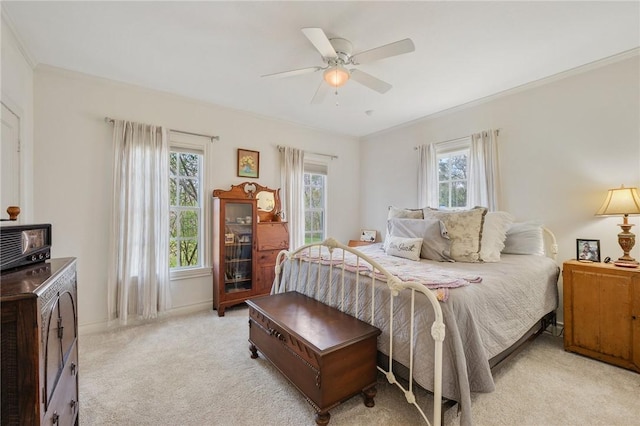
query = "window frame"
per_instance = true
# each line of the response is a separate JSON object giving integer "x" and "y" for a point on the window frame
{"x": 319, "y": 169}
{"x": 182, "y": 143}
{"x": 448, "y": 150}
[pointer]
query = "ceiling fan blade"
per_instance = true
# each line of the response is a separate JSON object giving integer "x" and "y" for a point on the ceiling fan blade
{"x": 391, "y": 49}
{"x": 321, "y": 93}
{"x": 370, "y": 81}
{"x": 320, "y": 41}
{"x": 292, "y": 72}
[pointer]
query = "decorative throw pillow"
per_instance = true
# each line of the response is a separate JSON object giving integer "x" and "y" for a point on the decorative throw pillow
{"x": 465, "y": 230}
{"x": 404, "y": 213}
{"x": 524, "y": 238}
{"x": 494, "y": 233}
{"x": 436, "y": 244}
{"x": 409, "y": 248}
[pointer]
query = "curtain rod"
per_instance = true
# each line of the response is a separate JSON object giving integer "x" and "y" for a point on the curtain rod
{"x": 333, "y": 157}
{"x": 111, "y": 121}
{"x": 458, "y": 139}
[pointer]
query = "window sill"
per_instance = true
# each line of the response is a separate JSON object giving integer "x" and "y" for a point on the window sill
{"x": 189, "y": 273}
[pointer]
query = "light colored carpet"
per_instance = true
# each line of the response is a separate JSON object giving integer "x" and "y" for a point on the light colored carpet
{"x": 197, "y": 370}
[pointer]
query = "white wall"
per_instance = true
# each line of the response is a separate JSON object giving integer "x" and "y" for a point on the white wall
{"x": 562, "y": 145}
{"x": 17, "y": 95}
{"x": 73, "y": 169}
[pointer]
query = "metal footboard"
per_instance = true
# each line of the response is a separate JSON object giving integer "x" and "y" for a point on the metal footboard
{"x": 367, "y": 273}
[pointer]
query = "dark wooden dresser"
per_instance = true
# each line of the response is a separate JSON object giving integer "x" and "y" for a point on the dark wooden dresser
{"x": 328, "y": 355}
{"x": 39, "y": 332}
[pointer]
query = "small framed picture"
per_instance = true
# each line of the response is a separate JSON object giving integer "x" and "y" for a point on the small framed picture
{"x": 248, "y": 163}
{"x": 368, "y": 235}
{"x": 588, "y": 250}
{"x": 229, "y": 238}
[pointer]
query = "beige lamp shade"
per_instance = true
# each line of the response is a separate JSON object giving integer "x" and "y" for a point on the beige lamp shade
{"x": 623, "y": 201}
{"x": 620, "y": 201}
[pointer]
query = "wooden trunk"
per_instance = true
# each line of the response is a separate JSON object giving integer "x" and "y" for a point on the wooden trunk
{"x": 328, "y": 355}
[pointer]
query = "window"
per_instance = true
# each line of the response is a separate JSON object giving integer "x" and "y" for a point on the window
{"x": 460, "y": 173}
{"x": 185, "y": 209}
{"x": 315, "y": 195}
{"x": 453, "y": 179}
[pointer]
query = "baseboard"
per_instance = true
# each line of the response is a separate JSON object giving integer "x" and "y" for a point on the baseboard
{"x": 97, "y": 327}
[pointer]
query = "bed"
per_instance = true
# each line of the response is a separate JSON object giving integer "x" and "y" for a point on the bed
{"x": 444, "y": 324}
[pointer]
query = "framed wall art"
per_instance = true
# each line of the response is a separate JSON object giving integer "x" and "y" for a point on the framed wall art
{"x": 588, "y": 250}
{"x": 248, "y": 163}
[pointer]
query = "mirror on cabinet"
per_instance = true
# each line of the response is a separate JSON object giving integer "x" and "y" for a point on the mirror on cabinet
{"x": 266, "y": 201}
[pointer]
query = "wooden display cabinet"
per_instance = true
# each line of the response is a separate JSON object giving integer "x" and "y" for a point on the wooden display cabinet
{"x": 602, "y": 312}
{"x": 247, "y": 237}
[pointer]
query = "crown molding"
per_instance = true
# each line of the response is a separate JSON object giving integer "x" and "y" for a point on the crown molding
{"x": 635, "y": 52}
{"x": 22, "y": 47}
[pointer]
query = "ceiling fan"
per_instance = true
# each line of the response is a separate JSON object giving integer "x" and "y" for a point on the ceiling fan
{"x": 337, "y": 55}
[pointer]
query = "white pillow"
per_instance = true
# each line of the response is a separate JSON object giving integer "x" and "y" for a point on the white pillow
{"x": 436, "y": 244}
{"x": 465, "y": 230}
{"x": 401, "y": 213}
{"x": 409, "y": 248}
{"x": 494, "y": 232}
{"x": 524, "y": 238}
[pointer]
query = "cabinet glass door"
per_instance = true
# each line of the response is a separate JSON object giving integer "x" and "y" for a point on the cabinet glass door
{"x": 238, "y": 240}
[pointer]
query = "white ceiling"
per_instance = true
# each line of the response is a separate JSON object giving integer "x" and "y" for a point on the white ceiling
{"x": 217, "y": 51}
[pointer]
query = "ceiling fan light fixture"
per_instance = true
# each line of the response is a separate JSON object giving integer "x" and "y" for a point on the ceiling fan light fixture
{"x": 336, "y": 76}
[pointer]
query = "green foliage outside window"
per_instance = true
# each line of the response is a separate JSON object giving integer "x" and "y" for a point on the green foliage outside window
{"x": 452, "y": 178}
{"x": 185, "y": 209}
{"x": 314, "y": 207}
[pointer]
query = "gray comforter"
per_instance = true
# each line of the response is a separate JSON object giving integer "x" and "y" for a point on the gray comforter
{"x": 482, "y": 319}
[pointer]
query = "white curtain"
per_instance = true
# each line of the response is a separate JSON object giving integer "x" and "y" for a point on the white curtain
{"x": 427, "y": 176}
{"x": 483, "y": 170}
{"x": 138, "y": 281}
{"x": 292, "y": 188}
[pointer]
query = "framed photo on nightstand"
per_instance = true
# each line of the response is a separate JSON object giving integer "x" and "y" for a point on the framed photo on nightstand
{"x": 368, "y": 235}
{"x": 588, "y": 250}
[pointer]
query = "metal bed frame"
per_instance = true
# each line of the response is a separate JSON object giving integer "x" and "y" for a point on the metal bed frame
{"x": 376, "y": 273}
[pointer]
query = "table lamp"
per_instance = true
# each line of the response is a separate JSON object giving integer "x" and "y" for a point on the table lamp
{"x": 623, "y": 201}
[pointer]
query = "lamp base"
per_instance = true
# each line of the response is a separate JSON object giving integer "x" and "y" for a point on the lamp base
{"x": 627, "y": 240}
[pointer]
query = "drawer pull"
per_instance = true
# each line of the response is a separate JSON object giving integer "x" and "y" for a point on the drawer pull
{"x": 73, "y": 404}
{"x": 276, "y": 334}
{"x": 54, "y": 418}
{"x": 73, "y": 368}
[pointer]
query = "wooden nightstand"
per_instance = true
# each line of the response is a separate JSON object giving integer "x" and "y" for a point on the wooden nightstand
{"x": 602, "y": 312}
{"x": 357, "y": 243}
